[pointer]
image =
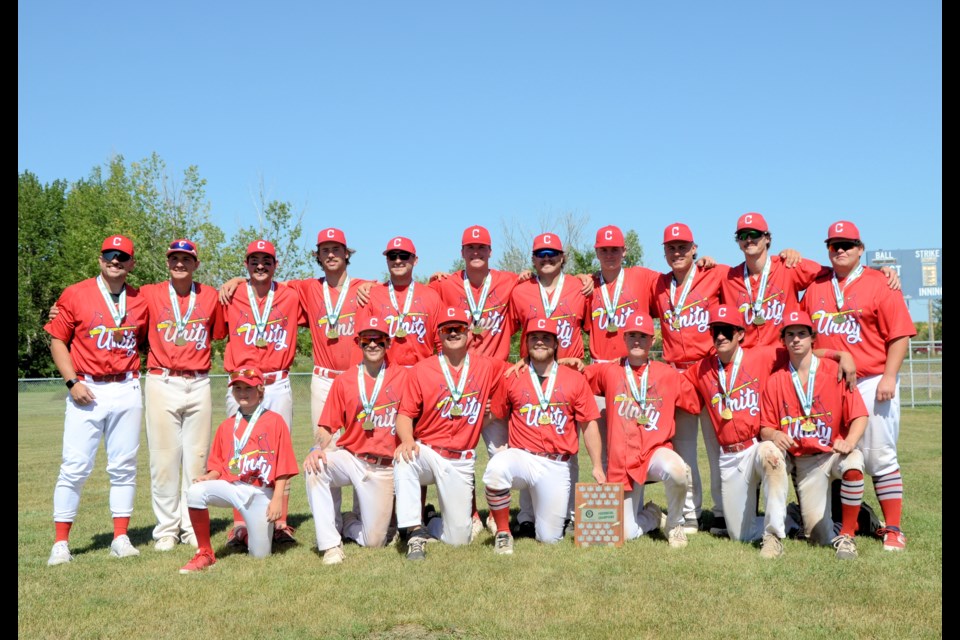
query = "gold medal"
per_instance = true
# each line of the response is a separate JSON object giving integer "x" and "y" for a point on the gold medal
{"x": 368, "y": 425}
{"x": 838, "y": 318}
{"x": 544, "y": 419}
{"x": 676, "y": 324}
{"x": 180, "y": 341}
{"x": 401, "y": 332}
{"x": 332, "y": 334}
{"x": 234, "y": 466}
{"x": 611, "y": 328}
{"x": 642, "y": 419}
{"x": 261, "y": 342}
{"x": 807, "y": 426}
{"x": 477, "y": 330}
{"x": 726, "y": 414}
{"x": 456, "y": 411}
{"x": 758, "y": 320}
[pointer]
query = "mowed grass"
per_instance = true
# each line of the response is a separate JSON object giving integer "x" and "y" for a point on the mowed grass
{"x": 715, "y": 588}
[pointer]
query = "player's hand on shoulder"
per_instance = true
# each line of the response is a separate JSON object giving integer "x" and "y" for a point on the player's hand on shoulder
{"x": 515, "y": 370}
{"x": 315, "y": 460}
{"x": 228, "y": 288}
{"x": 439, "y": 275}
{"x": 524, "y": 275}
{"x": 791, "y": 258}
{"x": 53, "y": 312}
{"x": 573, "y": 363}
{"x": 706, "y": 262}
{"x": 81, "y": 394}
{"x": 893, "y": 278}
{"x": 587, "y": 280}
{"x": 406, "y": 451}
{"x": 363, "y": 293}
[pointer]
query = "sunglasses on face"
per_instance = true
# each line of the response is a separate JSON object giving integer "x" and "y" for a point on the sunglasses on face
{"x": 724, "y": 330}
{"x": 399, "y": 255}
{"x": 842, "y": 245}
{"x": 243, "y": 373}
{"x": 366, "y": 342}
{"x": 453, "y": 330}
{"x": 115, "y": 254}
{"x": 749, "y": 234}
{"x": 546, "y": 253}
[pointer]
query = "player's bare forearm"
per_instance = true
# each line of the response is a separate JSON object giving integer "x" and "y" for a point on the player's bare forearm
{"x": 275, "y": 508}
{"x": 408, "y": 447}
{"x": 848, "y": 367}
{"x": 209, "y": 475}
{"x": 573, "y": 363}
{"x": 857, "y": 427}
{"x": 363, "y": 293}
{"x": 80, "y": 392}
{"x": 515, "y": 370}
{"x": 228, "y": 288}
{"x": 783, "y": 441}
{"x": 896, "y": 352}
{"x": 593, "y": 442}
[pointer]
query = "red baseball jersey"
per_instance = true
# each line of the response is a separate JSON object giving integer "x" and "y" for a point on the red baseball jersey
{"x": 428, "y": 402}
{"x": 280, "y": 333}
{"x": 571, "y": 402}
{"x": 630, "y": 444}
{"x": 204, "y": 324}
{"x": 340, "y": 353}
{"x": 419, "y": 324}
{"x": 756, "y": 366}
{"x": 497, "y": 324}
{"x": 97, "y": 345}
{"x": 266, "y": 456}
{"x": 686, "y": 333}
{"x": 344, "y": 410}
{"x": 872, "y": 316}
{"x": 572, "y": 307}
{"x": 782, "y": 294}
{"x": 635, "y": 296}
{"x": 834, "y": 408}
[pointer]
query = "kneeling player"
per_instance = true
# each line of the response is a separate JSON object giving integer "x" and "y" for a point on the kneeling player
{"x": 544, "y": 407}
{"x": 641, "y": 398}
{"x": 364, "y": 402}
{"x": 815, "y": 418}
{"x": 250, "y": 463}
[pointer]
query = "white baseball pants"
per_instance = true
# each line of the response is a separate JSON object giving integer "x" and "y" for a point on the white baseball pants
{"x": 668, "y": 467}
{"x": 740, "y": 475}
{"x": 548, "y": 482}
{"x": 251, "y": 501}
{"x": 454, "y": 480}
{"x": 812, "y": 477}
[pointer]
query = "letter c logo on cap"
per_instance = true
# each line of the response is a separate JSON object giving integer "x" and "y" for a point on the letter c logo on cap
{"x": 722, "y": 312}
{"x": 373, "y": 322}
{"x": 451, "y": 313}
{"x": 838, "y": 228}
{"x": 546, "y": 239}
{"x": 475, "y": 233}
{"x": 261, "y": 244}
{"x": 608, "y": 235}
{"x": 329, "y": 233}
{"x": 117, "y": 241}
{"x": 794, "y": 316}
{"x": 674, "y": 231}
{"x": 748, "y": 219}
{"x": 396, "y": 242}
{"x": 541, "y": 323}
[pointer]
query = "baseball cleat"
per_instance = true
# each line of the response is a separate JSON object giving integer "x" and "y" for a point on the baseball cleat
{"x": 121, "y": 547}
{"x": 845, "y": 546}
{"x": 772, "y": 547}
{"x": 677, "y": 538}
{"x": 503, "y": 544}
{"x": 691, "y": 526}
{"x": 237, "y": 538}
{"x": 417, "y": 547}
{"x": 719, "y": 527}
{"x": 284, "y": 535}
{"x": 334, "y": 555}
{"x": 166, "y": 543}
{"x": 893, "y": 539}
{"x": 476, "y": 527}
{"x": 525, "y": 529}
{"x": 655, "y": 513}
{"x": 203, "y": 560}
{"x": 60, "y": 554}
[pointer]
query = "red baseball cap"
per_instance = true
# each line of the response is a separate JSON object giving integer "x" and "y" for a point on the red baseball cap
{"x": 677, "y": 232}
{"x": 252, "y": 377}
{"x": 541, "y": 325}
{"x": 547, "y": 241}
{"x": 801, "y": 318}
{"x": 331, "y": 235}
{"x": 182, "y": 246}
{"x": 725, "y": 314}
{"x": 261, "y": 246}
{"x": 609, "y": 236}
{"x": 400, "y": 244}
{"x": 370, "y": 322}
{"x": 753, "y": 221}
{"x": 639, "y": 322}
{"x": 475, "y": 235}
{"x": 450, "y": 315}
{"x": 118, "y": 243}
{"x": 843, "y": 230}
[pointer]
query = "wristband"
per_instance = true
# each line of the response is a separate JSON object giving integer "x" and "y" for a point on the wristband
{"x": 72, "y": 382}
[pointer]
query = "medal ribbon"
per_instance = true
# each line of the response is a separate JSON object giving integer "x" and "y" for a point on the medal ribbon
{"x": 543, "y": 398}
{"x": 334, "y": 317}
{"x": 550, "y": 303}
{"x": 260, "y": 319}
{"x": 117, "y": 311}
{"x": 476, "y": 307}
{"x": 239, "y": 444}
{"x": 611, "y": 308}
{"x": 639, "y": 395}
{"x": 733, "y": 375}
{"x": 456, "y": 390}
{"x": 370, "y": 403}
{"x": 757, "y": 303}
{"x": 406, "y": 303}
{"x": 837, "y": 293}
{"x": 181, "y": 320}
{"x": 805, "y": 395}
{"x": 687, "y": 285}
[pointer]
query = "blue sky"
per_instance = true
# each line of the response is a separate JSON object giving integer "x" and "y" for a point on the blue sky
{"x": 421, "y": 118}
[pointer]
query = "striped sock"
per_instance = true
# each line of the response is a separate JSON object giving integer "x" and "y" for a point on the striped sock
{"x": 499, "y": 501}
{"x": 851, "y": 497}
{"x": 889, "y": 490}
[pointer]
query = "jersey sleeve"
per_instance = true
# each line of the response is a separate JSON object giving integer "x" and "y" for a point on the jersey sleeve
{"x": 769, "y": 414}
{"x": 585, "y": 405}
{"x": 688, "y": 398}
{"x": 218, "y": 458}
{"x": 498, "y": 402}
{"x": 411, "y": 402}
{"x": 334, "y": 415}
{"x": 63, "y": 325}
{"x": 286, "y": 458}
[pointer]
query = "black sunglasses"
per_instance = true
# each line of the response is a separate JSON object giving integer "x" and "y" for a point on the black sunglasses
{"x": 115, "y": 254}
{"x": 724, "y": 330}
{"x": 749, "y": 234}
{"x": 842, "y": 245}
{"x": 399, "y": 255}
{"x": 547, "y": 253}
{"x": 366, "y": 342}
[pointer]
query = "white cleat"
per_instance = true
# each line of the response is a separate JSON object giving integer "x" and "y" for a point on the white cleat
{"x": 334, "y": 555}
{"x": 121, "y": 547}
{"x": 60, "y": 554}
{"x": 166, "y": 543}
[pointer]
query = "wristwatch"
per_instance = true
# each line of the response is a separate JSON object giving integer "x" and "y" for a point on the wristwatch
{"x": 70, "y": 383}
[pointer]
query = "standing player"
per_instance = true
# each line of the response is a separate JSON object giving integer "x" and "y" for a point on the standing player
{"x": 681, "y": 298}
{"x": 262, "y": 325}
{"x": 184, "y": 317}
{"x": 94, "y": 341}
{"x": 818, "y": 420}
{"x": 854, "y": 309}
{"x": 250, "y": 462}
{"x": 545, "y": 406}
{"x": 364, "y": 402}
{"x": 642, "y": 397}
{"x": 438, "y": 426}
{"x": 410, "y": 309}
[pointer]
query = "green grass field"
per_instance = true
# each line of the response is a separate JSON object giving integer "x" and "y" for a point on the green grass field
{"x": 714, "y": 588}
